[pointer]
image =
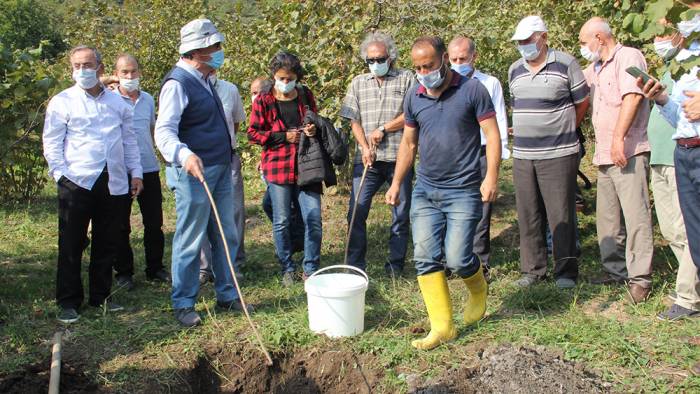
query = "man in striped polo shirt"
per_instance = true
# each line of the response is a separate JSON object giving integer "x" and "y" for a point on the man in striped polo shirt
{"x": 549, "y": 99}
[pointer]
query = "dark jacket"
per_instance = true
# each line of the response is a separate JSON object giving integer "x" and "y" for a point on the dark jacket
{"x": 316, "y": 155}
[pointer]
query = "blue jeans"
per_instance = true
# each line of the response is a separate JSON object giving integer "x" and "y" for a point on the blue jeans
{"x": 445, "y": 220}
{"x": 195, "y": 224}
{"x": 377, "y": 175}
{"x": 310, "y": 206}
{"x": 687, "y": 163}
{"x": 295, "y": 222}
{"x": 238, "y": 219}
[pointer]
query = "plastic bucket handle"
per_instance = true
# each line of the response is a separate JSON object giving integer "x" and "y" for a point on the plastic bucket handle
{"x": 339, "y": 266}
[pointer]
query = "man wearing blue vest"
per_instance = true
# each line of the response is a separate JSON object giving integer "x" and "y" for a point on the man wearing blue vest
{"x": 192, "y": 135}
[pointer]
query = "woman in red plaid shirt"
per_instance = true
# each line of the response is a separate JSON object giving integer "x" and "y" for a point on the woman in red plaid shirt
{"x": 276, "y": 124}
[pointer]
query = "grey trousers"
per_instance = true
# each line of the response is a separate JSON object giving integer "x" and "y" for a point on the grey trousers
{"x": 545, "y": 193}
{"x": 623, "y": 220}
{"x": 238, "y": 218}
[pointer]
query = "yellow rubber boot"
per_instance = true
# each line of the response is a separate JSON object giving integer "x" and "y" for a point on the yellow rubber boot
{"x": 436, "y": 296}
{"x": 475, "y": 308}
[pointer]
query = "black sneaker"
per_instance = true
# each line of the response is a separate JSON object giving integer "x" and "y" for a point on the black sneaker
{"x": 677, "y": 312}
{"x": 232, "y": 306}
{"x": 205, "y": 277}
{"x": 113, "y": 307}
{"x": 68, "y": 315}
{"x": 161, "y": 276}
{"x": 288, "y": 279}
{"x": 125, "y": 282}
{"x": 393, "y": 271}
{"x": 188, "y": 317}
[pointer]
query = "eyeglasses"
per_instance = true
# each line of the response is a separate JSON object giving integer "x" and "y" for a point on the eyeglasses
{"x": 376, "y": 60}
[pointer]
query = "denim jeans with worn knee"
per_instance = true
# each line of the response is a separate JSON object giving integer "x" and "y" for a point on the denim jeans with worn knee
{"x": 195, "y": 223}
{"x": 310, "y": 207}
{"x": 445, "y": 220}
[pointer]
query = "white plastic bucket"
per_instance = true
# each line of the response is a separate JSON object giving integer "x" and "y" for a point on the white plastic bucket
{"x": 337, "y": 301}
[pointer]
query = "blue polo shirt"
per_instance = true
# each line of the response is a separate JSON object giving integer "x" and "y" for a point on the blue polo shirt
{"x": 449, "y": 137}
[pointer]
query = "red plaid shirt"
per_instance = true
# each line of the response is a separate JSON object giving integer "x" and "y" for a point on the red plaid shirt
{"x": 279, "y": 161}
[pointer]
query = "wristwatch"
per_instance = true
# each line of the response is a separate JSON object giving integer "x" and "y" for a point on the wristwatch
{"x": 381, "y": 128}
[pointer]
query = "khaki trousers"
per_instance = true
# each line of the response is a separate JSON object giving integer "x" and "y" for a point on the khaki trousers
{"x": 668, "y": 212}
{"x": 623, "y": 220}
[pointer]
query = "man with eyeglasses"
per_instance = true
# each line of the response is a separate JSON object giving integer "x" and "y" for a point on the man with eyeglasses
{"x": 374, "y": 106}
{"x": 91, "y": 149}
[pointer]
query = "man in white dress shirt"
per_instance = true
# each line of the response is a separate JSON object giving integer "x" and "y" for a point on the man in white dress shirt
{"x": 462, "y": 53}
{"x": 193, "y": 137}
{"x": 91, "y": 150}
{"x": 235, "y": 114}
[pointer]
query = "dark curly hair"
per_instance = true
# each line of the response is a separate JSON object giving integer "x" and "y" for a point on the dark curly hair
{"x": 287, "y": 61}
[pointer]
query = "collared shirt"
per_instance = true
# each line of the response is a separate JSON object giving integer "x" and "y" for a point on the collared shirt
{"x": 373, "y": 105}
{"x": 448, "y": 131}
{"x": 233, "y": 106}
{"x": 144, "y": 119}
{"x": 493, "y": 86}
{"x": 172, "y": 102}
{"x": 660, "y": 132}
{"x": 610, "y": 83}
{"x": 83, "y": 134}
{"x": 544, "y": 106}
{"x": 279, "y": 159}
{"x": 673, "y": 110}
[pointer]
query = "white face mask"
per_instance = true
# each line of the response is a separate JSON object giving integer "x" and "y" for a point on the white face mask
{"x": 665, "y": 49}
{"x": 688, "y": 27}
{"x": 529, "y": 51}
{"x": 86, "y": 78}
{"x": 252, "y": 99}
{"x": 589, "y": 55}
{"x": 129, "y": 84}
{"x": 285, "y": 88}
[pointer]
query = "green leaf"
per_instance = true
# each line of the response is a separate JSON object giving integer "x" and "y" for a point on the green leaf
{"x": 638, "y": 23}
{"x": 657, "y": 10}
{"x": 628, "y": 20}
{"x": 625, "y": 5}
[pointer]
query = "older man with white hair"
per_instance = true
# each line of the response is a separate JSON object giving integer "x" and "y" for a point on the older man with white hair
{"x": 374, "y": 106}
{"x": 193, "y": 137}
{"x": 620, "y": 118}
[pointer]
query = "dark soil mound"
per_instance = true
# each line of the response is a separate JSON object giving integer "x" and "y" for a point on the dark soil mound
{"x": 508, "y": 369}
{"x": 35, "y": 379}
{"x": 315, "y": 371}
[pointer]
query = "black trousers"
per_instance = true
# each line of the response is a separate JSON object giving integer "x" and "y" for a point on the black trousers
{"x": 482, "y": 236}
{"x": 76, "y": 208}
{"x": 151, "y": 204}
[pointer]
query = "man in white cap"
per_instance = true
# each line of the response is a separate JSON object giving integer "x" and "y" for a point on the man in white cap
{"x": 620, "y": 118}
{"x": 550, "y": 98}
{"x": 193, "y": 137}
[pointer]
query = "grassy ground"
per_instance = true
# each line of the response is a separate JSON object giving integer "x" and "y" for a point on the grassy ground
{"x": 143, "y": 347}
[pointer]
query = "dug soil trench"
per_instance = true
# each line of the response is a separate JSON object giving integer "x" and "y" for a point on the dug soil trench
{"x": 501, "y": 369}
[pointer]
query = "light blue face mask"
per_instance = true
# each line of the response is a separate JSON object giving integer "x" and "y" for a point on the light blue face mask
{"x": 529, "y": 51}
{"x": 285, "y": 88}
{"x": 379, "y": 69}
{"x": 217, "y": 59}
{"x": 432, "y": 79}
{"x": 463, "y": 69}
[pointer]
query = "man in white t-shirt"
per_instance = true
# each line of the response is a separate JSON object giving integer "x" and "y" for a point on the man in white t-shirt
{"x": 235, "y": 114}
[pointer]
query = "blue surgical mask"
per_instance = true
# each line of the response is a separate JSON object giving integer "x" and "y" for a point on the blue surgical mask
{"x": 463, "y": 69}
{"x": 86, "y": 78}
{"x": 529, "y": 51}
{"x": 379, "y": 69}
{"x": 432, "y": 79}
{"x": 217, "y": 59}
{"x": 589, "y": 55}
{"x": 285, "y": 88}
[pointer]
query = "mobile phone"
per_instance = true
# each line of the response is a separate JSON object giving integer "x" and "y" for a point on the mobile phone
{"x": 637, "y": 73}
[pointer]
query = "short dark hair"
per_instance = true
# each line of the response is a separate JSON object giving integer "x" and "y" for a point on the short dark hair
{"x": 434, "y": 41}
{"x": 287, "y": 61}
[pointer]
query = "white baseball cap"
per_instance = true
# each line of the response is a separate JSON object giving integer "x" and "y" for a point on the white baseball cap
{"x": 199, "y": 33}
{"x": 527, "y": 26}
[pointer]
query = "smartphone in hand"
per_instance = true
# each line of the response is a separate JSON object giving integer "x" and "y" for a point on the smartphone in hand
{"x": 637, "y": 73}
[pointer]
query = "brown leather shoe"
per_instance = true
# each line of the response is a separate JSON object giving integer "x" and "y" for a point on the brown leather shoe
{"x": 637, "y": 293}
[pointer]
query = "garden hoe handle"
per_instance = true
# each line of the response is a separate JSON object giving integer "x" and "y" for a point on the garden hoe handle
{"x": 354, "y": 208}
{"x": 55, "y": 374}
{"x": 233, "y": 274}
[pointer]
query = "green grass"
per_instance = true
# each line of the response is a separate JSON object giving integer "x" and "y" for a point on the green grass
{"x": 626, "y": 344}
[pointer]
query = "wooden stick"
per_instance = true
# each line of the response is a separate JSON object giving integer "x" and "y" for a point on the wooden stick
{"x": 352, "y": 217}
{"x": 233, "y": 274}
{"x": 55, "y": 379}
